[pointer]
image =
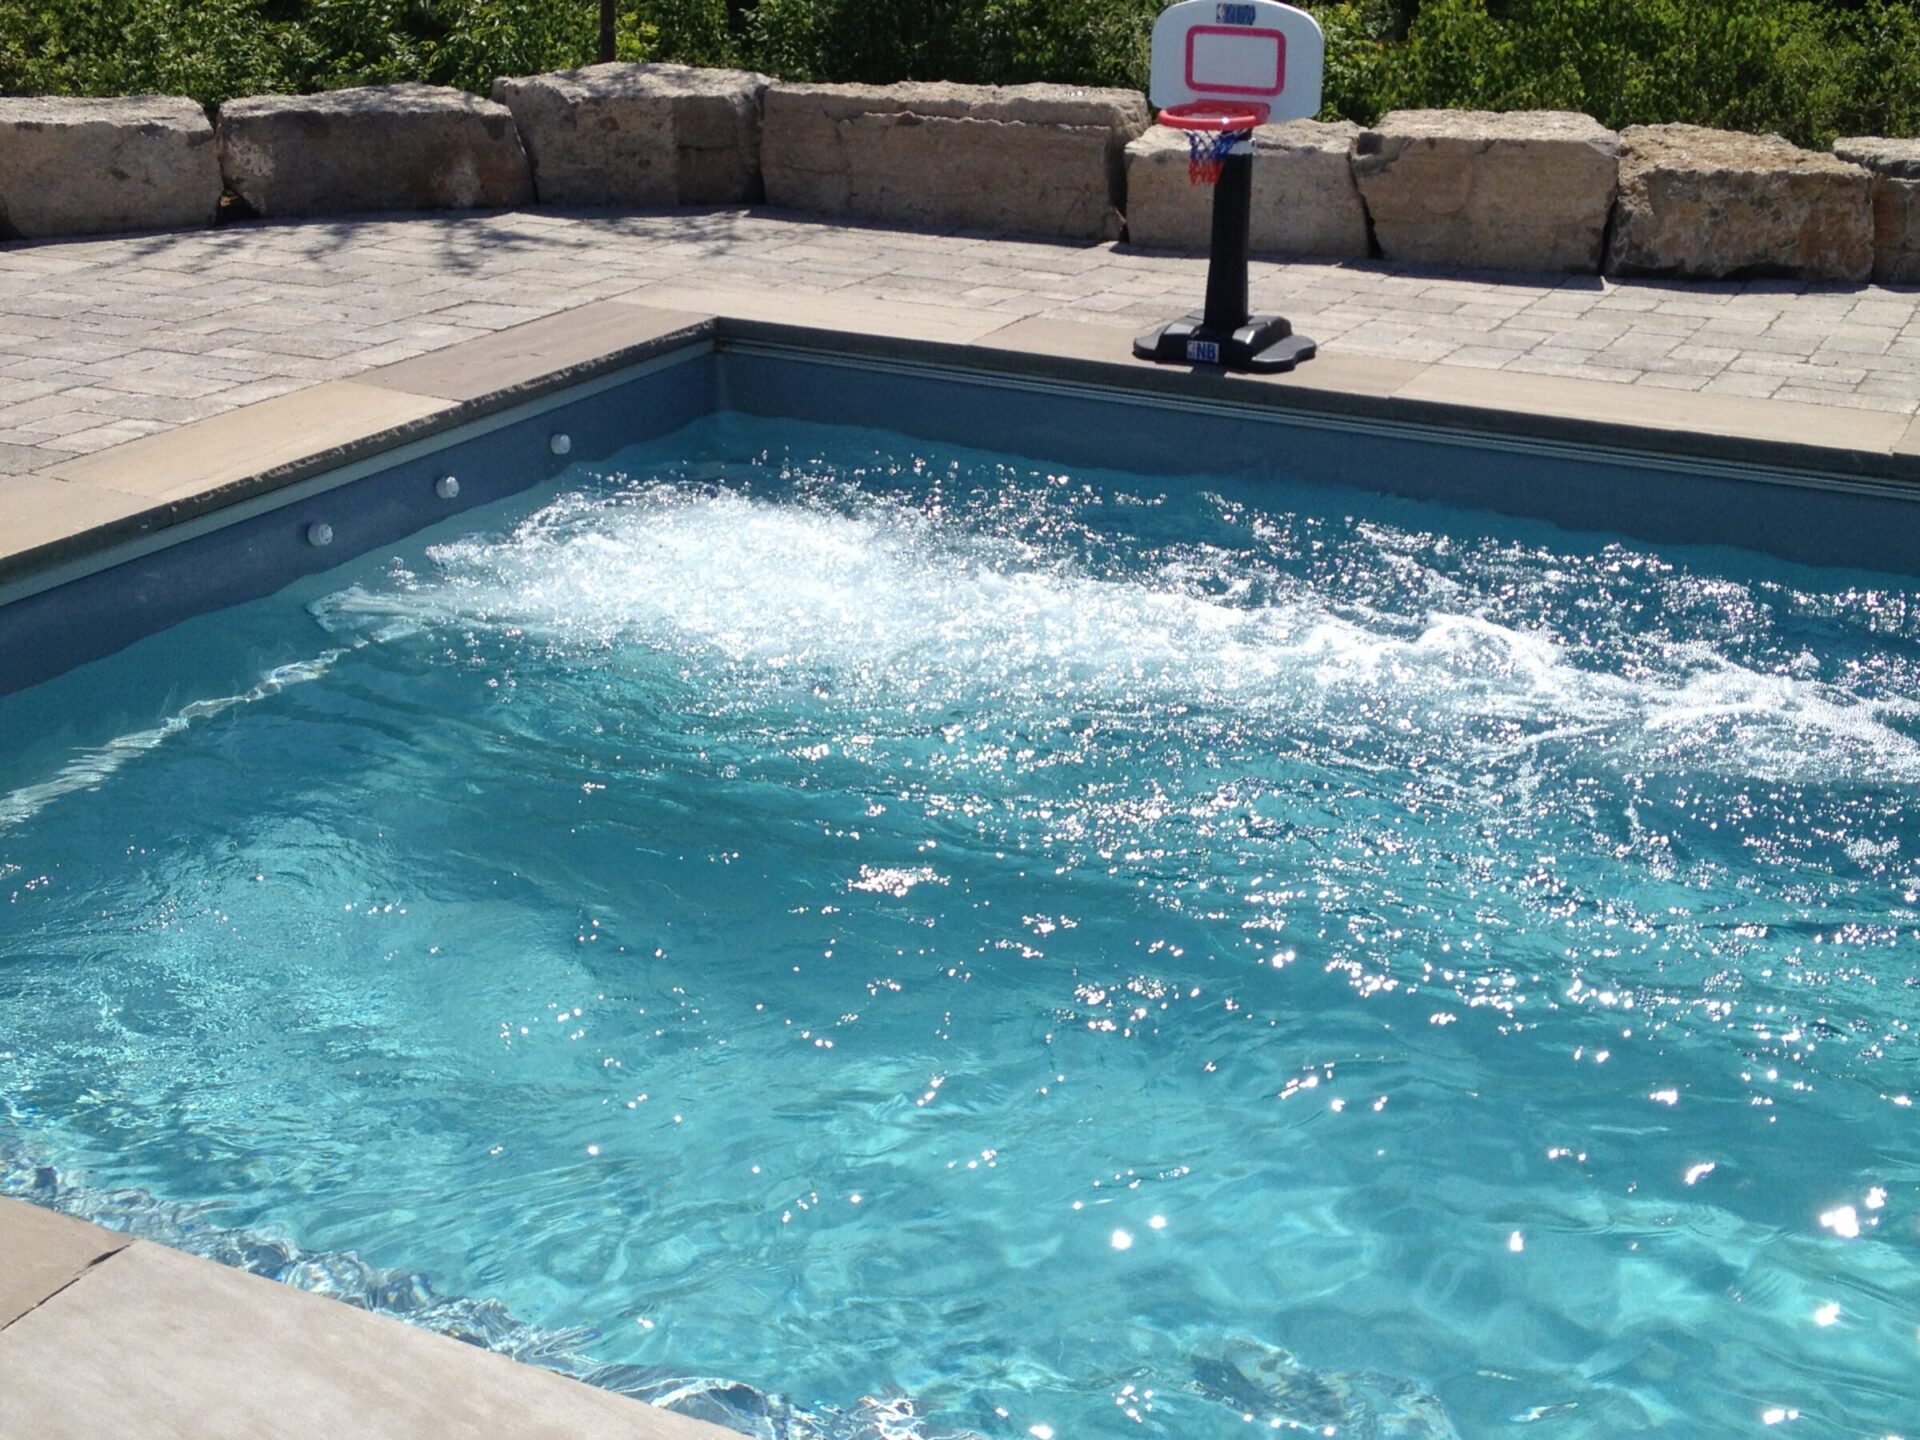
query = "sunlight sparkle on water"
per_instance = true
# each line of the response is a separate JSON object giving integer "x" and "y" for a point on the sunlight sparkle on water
{"x": 1477, "y": 933}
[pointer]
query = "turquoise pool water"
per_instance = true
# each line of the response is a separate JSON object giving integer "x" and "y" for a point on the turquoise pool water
{"x": 854, "y": 938}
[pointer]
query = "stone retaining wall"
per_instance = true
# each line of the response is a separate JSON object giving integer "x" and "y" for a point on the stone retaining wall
{"x": 1023, "y": 159}
{"x": 1528, "y": 190}
{"x": 1531, "y": 191}
{"x": 1703, "y": 204}
{"x": 1304, "y": 200}
{"x": 1895, "y": 167}
{"x": 381, "y": 147}
{"x": 87, "y": 167}
{"x": 640, "y": 134}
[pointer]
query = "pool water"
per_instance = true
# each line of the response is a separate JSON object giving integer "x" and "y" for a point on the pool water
{"x": 856, "y": 938}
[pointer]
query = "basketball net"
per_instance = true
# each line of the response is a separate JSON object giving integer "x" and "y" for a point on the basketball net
{"x": 1207, "y": 153}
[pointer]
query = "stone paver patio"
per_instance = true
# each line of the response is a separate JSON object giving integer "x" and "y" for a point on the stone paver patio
{"x": 106, "y": 341}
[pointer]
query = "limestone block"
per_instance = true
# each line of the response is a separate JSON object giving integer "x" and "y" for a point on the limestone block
{"x": 1712, "y": 204}
{"x": 1021, "y": 159}
{"x": 1304, "y": 200}
{"x": 1895, "y": 165}
{"x": 87, "y": 167}
{"x": 623, "y": 134}
{"x": 381, "y": 147}
{"x": 1523, "y": 190}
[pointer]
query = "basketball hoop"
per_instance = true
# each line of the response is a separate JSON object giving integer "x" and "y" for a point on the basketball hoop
{"x": 1213, "y": 128}
{"x": 1221, "y": 69}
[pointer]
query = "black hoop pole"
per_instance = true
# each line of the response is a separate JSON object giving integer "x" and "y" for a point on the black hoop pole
{"x": 1224, "y": 335}
{"x": 1232, "y": 230}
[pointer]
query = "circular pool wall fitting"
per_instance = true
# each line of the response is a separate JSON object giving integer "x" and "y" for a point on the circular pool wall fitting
{"x": 319, "y": 533}
{"x": 446, "y": 487}
{"x": 560, "y": 444}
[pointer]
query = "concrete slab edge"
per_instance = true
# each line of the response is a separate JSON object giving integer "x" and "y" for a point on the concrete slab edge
{"x": 147, "y": 1340}
{"x": 66, "y": 1284}
{"x": 42, "y": 1253}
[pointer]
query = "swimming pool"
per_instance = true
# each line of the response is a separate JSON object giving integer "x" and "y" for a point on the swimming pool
{"x": 944, "y": 943}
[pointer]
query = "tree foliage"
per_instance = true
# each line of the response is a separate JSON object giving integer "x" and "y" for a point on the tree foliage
{"x": 1809, "y": 69}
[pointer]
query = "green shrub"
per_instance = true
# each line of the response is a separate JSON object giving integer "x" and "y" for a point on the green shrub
{"x": 1809, "y": 69}
{"x": 693, "y": 32}
{"x": 216, "y": 49}
{"x": 209, "y": 49}
{"x": 1358, "y": 54}
{"x": 1088, "y": 42}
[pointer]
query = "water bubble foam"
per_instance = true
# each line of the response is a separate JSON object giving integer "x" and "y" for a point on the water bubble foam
{"x": 889, "y": 602}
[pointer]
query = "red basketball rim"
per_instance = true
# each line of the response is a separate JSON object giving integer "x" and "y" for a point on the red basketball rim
{"x": 1216, "y": 116}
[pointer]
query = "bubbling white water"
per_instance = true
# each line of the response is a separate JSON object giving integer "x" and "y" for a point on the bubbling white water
{"x": 891, "y": 602}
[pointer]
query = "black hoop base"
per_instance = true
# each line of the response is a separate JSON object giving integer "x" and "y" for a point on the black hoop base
{"x": 1263, "y": 345}
{"x": 1223, "y": 334}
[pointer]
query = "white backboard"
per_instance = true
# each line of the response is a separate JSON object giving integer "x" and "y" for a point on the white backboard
{"x": 1256, "y": 50}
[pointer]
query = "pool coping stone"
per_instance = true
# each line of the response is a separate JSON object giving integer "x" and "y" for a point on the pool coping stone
{"x": 1726, "y": 428}
{"x": 828, "y": 314}
{"x": 206, "y": 456}
{"x": 525, "y": 361}
{"x": 277, "y": 443}
{"x": 139, "y": 1339}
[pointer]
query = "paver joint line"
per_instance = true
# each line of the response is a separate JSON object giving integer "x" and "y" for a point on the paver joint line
{"x": 93, "y": 1266}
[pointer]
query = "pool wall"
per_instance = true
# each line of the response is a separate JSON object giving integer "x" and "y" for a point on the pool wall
{"x": 1805, "y": 504}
